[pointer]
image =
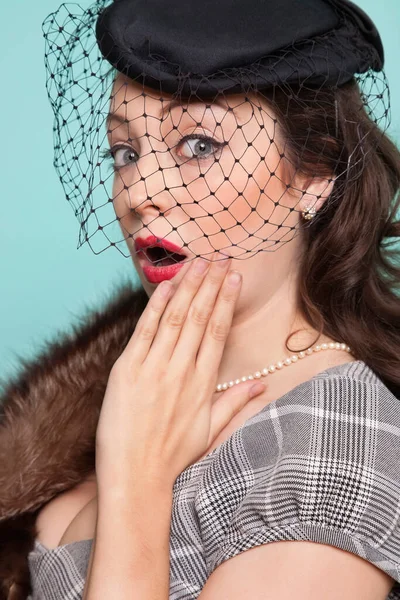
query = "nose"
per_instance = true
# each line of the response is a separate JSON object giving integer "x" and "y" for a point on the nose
{"x": 148, "y": 183}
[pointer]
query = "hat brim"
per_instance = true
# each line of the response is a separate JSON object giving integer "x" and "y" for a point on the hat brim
{"x": 337, "y": 50}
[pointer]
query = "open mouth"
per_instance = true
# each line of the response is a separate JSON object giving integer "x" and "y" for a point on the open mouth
{"x": 160, "y": 257}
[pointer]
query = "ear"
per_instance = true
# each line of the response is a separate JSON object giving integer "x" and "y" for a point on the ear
{"x": 315, "y": 192}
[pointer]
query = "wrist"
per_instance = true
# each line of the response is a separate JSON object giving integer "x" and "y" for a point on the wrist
{"x": 138, "y": 518}
{"x": 128, "y": 491}
{"x": 131, "y": 543}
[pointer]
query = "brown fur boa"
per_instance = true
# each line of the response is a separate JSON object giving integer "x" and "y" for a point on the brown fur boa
{"x": 48, "y": 418}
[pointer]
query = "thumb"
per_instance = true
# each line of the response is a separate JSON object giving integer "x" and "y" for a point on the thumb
{"x": 230, "y": 403}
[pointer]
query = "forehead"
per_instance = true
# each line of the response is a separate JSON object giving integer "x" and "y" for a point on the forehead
{"x": 130, "y": 98}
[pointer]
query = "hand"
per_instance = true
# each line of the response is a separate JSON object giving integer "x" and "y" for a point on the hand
{"x": 158, "y": 414}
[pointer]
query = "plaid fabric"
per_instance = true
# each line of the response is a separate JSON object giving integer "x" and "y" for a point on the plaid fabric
{"x": 321, "y": 463}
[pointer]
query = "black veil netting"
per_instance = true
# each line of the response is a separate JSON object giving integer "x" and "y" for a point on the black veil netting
{"x": 167, "y": 118}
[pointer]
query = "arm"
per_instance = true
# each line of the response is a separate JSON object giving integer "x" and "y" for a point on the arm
{"x": 305, "y": 570}
{"x": 130, "y": 552}
{"x": 297, "y": 569}
{"x": 152, "y": 427}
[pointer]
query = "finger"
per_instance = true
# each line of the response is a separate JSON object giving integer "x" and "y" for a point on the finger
{"x": 146, "y": 328}
{"x": 199, "y": 313}
{"x": 213, "y": 343}
{"x": 230, "y": 403}
{"x": 175, "y": 315}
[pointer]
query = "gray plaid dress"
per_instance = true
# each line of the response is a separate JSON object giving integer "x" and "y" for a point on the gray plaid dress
{"x": 321, "y": 463}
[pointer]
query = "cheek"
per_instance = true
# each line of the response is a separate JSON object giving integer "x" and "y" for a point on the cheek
{"x": 277, "y": 217}
{"x": 117, "y": 188}
{"x": 120, "y": 197}
{"x": 250, "y": 205}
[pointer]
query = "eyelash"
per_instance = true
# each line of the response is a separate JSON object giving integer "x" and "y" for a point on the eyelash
{"x": 109, "y": 153}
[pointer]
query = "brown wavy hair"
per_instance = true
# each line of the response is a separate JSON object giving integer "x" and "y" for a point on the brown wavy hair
{"x": 350, "y": 269}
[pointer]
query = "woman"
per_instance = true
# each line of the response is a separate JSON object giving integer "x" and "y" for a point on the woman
{"x": 235, "y": 139}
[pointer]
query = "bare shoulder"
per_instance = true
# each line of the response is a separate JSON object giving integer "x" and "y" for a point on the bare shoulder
{"x": 56, "y": 517}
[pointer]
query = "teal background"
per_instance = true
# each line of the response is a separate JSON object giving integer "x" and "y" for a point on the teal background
{"x": 46, "y": 282}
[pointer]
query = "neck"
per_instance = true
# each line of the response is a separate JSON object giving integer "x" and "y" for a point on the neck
{"x": 258, "y": 338}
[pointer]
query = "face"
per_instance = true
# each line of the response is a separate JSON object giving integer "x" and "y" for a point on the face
{"x": 209, "y": 178}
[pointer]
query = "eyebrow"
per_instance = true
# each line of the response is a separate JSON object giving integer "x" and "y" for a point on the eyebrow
{"x": 221, "y": 103}
{"x": 116, "y": 117}
{"x": 172, "y": 104}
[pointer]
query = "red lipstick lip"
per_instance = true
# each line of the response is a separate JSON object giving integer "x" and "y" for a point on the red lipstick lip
{"x": 152, "y": 240}
{"x": 157, "y": 274}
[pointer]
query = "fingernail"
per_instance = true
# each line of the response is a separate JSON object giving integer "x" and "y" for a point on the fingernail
{"x": 220, "y": 259}
{"x": 200, "y": 266}
{"x": 234, "y": 278}
{"x": 257, "y": 389}
{"x": 165, "y": 288}
{"x": 223, "y": 261}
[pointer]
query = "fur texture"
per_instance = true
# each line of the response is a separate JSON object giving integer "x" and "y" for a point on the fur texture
{"x": 48, "y": 419}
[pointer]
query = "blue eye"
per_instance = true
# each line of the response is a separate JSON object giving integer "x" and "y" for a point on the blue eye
{"x": 199, "y": 146}
{"x": 121, "y": 155}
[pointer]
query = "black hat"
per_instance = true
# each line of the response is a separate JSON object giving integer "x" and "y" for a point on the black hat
{"x": 207, "y": 47}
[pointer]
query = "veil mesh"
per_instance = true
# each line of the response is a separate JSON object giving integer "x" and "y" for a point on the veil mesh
{"x": 203, "y": 168}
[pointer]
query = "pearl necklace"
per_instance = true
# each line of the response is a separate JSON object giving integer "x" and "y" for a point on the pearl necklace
{"x": 284, "y": 363}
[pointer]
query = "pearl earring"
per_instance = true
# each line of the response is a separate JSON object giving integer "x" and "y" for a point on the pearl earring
{"x": 309, "y": 213}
